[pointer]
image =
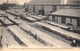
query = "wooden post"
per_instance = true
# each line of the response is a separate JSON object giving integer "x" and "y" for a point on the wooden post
{"x": 0, "y": 41}
{"x": 7, "y": 45}
{"x": 36, "y": 36}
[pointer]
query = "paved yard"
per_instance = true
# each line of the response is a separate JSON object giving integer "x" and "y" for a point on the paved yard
{"x": 41, "y": 29}
{"x": 32, "y": 24}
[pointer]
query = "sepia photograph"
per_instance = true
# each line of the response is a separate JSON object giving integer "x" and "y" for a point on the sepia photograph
{"x": 39, "y": 24}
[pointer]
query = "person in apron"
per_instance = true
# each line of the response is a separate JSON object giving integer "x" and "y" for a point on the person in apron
{"x": 74, "y": 43}
{"x": 71, "y": 28}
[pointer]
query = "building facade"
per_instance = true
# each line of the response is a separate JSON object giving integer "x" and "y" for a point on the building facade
{"x": 70, "y": 14}
{"x": 60, "y": 11}
{"x": 43, "y": 7}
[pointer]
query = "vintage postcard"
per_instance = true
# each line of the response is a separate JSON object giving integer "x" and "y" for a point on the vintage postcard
{"x": 38, "y": 25}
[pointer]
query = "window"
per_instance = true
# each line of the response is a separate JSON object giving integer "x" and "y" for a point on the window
{"x": 56, "y": 19}
{"x": 34, "y": 8}
{"x": 53, "y": 19}
{"x": 78, "y": 22}
{"x": 63, "y": 20}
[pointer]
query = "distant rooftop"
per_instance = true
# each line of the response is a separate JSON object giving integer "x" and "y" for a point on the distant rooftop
{"x": 44, "y": 2}
{"x": 73, "y": 2}
{"x": 12, "y": 2}
{"x": 67, "y": 12}
{"x": 54, "y": 2}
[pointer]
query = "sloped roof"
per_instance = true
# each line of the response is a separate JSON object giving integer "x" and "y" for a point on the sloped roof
{"x": 12, "y": 2}
{"x": 73, "y": 2}
{"x": 67, "y": 12}
{"x": 44, "y": 2}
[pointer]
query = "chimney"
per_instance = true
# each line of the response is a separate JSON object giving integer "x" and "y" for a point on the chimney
{"x": 63, "y": 1}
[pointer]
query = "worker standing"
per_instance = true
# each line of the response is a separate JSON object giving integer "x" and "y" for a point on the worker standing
{"x": 74, "y": 43}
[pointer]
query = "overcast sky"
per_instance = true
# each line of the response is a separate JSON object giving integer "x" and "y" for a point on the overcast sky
{"x": 19, "y": 1}
{"x": 23, "y": 1}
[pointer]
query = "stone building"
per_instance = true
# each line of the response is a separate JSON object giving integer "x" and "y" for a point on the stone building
{"x": 43, "y": 7}
{"x": 69, "y": 14}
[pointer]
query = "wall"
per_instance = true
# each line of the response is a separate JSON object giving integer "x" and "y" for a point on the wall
{"x": 30, "y": 7}
{"x": 59, "y": 19}
{"x": 58, "y": 7}
{"x": 56, "y": 19}
{"x": 36, "y": 9}
{"x": 47, "y": 9}
{"x": 39, "y": 8}
{"x": 74, "y": 22}
{"x": 67, "y": 20}
{"x": 78, "y": 22}
{"x": 50, "y": 18}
